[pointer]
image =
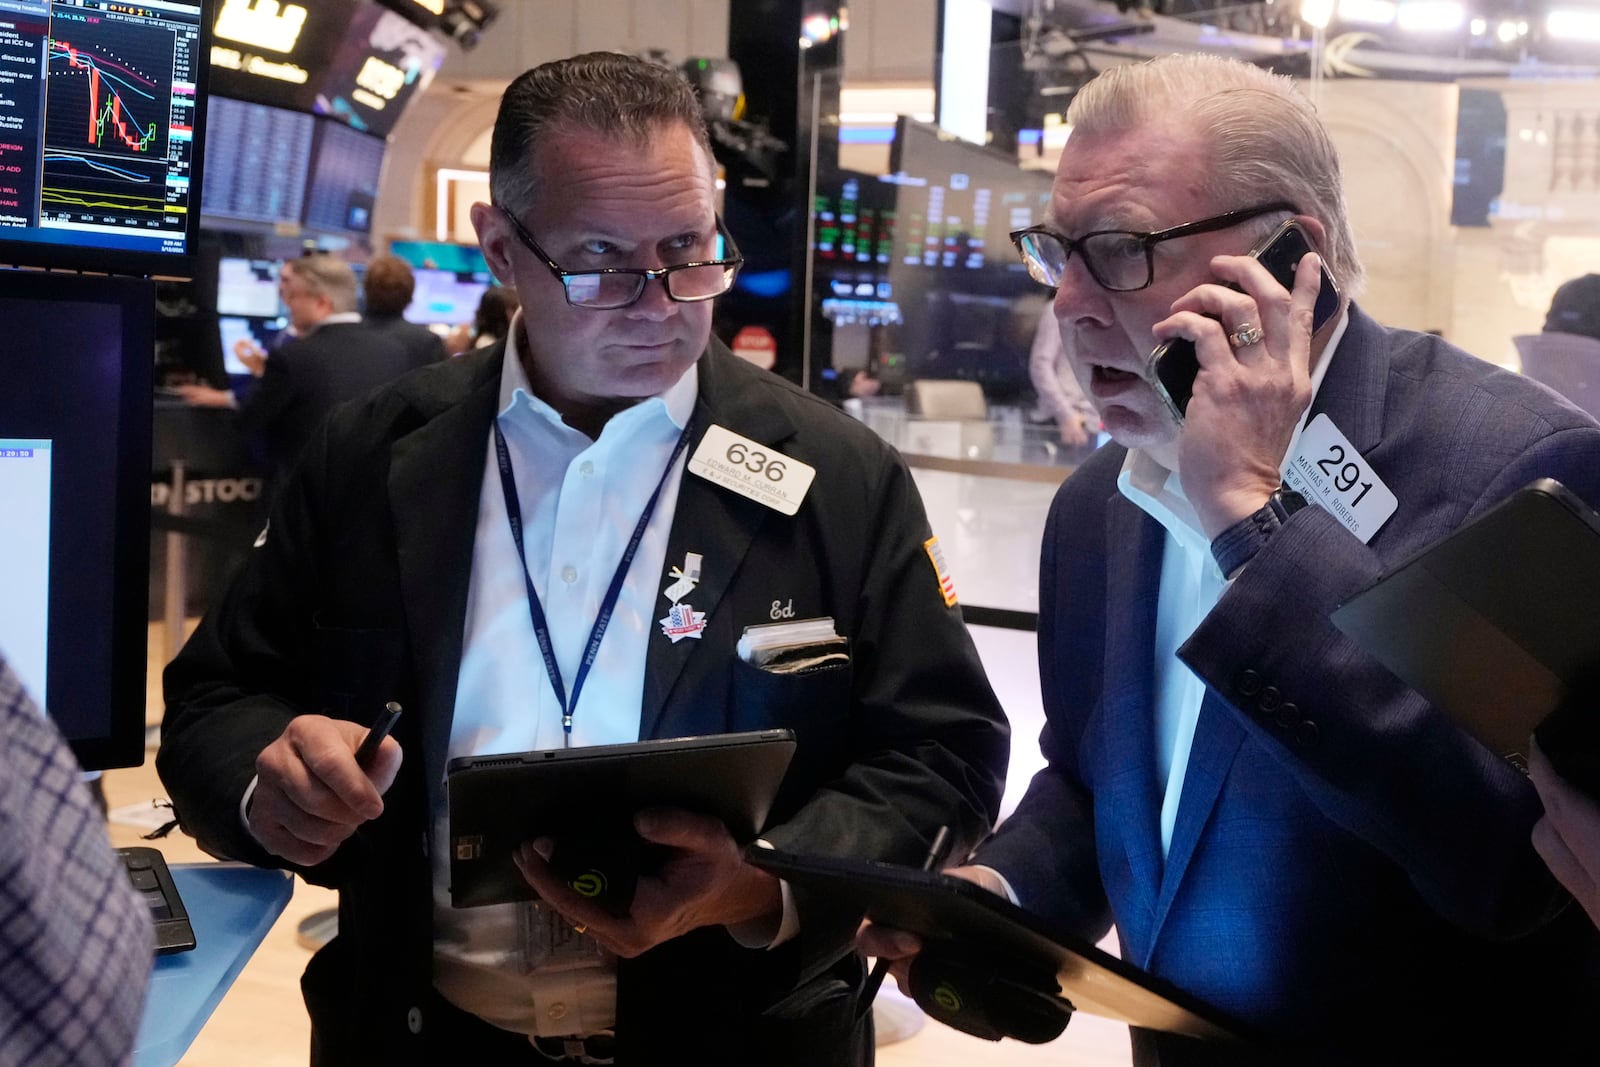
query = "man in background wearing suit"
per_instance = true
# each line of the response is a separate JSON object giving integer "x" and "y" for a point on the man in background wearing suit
{"x": 1273, "y": 822}
{"x": 388, "y": 286}
{"x": 460, "y": 543}
{"x": 332, "y": 358}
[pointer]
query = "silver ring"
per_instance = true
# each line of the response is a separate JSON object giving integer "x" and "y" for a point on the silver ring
{"x": 1246, "y": 335}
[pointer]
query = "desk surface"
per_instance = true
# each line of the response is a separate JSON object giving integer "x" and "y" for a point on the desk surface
{"x": 231, "y": 907}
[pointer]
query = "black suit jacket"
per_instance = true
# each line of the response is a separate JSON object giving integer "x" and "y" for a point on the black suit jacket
{"x": 422, "y": 345}
{"x": 358, "y": 595}
{"x": 308, "y": 377}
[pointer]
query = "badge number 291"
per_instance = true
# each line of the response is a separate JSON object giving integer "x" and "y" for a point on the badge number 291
{"x": 1328, "y": 470}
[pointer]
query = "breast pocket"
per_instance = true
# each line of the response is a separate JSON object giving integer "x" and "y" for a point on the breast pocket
{"x": 815, "y": 703}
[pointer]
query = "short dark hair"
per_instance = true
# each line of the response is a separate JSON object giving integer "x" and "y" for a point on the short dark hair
{"x": 495, "y": 308}
{"x": 607, "y": 93}
{"x": 389, "y": 285}
{"x": 1576, "y": 308}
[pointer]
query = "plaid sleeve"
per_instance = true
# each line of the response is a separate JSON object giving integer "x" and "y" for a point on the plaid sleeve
{"x": 75, "y": 940}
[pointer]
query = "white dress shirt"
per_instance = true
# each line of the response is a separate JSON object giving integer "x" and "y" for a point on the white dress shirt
{"x": 520, "y": 966}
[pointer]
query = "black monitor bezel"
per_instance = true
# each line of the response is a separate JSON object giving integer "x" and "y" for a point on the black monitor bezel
{"x": 123, "y": 745}
{"x": 122, "y": 261}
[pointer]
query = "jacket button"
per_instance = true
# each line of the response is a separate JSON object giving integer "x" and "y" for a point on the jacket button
{"x": 414, "y": 1020}
{"x": 1248, "y": 683}
{"x": 1307, "y": 733}
{"x": 1269, "y": 700}
{"x": 1288, "y": 716}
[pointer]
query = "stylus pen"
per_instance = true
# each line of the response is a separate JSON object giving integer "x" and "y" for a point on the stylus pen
{"x": 380, "y": 729}
{"x": 869, "y": 992}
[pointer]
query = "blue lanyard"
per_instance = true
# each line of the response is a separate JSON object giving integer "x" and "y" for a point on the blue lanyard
{"x": 541, "y": 629}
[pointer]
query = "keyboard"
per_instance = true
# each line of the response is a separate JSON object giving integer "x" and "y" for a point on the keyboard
{"x": 147, "y": 870}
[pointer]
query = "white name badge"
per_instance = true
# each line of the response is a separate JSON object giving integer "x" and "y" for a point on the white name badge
{"x": 1327, "y": 470}
{"x": 751, "y": 469}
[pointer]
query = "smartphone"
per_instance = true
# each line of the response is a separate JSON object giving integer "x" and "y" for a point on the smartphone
{"x": 1174, "y": 364}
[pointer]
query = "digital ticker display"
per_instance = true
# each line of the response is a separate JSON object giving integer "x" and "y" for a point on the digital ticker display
{"x": 101, "y": 118}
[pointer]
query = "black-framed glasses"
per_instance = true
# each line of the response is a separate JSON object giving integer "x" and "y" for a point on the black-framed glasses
{"x": 609, "y": 288}
{"x": 1119, "y": 260}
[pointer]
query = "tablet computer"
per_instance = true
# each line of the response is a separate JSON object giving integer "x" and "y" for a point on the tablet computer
{"x": 1495, "y": 623}
{"x": 941, "y": 907}
{"x": 498, "y": 802}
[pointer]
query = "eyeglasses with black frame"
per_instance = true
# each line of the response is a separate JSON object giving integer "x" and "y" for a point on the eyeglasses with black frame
{"x": 1122, "y": 261}
{"x": 609, "y": 288}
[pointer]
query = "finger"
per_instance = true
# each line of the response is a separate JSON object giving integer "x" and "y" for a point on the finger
{"x": 328, "y": 751}
{"x": 676, "y": 828}
{"x": 886, "y": 942}
{"x": 1559, "y": 857}
{"x": 618, "y": 935}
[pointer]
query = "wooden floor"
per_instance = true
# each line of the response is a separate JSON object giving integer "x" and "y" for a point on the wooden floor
{"x": 262, "y": 1020}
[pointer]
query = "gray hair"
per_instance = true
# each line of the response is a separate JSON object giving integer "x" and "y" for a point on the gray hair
{"x": 607, "y": 93}
{"x": 327, "y": 275}
{"x": 1264, "y": 138}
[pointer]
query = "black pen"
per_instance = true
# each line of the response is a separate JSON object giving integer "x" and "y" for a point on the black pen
{"x": 869, "y": 992}
{"x": 380, "y": 729}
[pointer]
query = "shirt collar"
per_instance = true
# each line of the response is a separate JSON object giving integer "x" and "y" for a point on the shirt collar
{"x": 1158, "y": 491}
{"x": 335, "y": 319}
{"x": 516, "y": 391}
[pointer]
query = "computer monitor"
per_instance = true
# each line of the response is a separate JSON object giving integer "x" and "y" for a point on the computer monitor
{"x": 75, "y": 452}
{"x": 257, "y": 160}
{"x": 382, "y": 64}
{"x": 444, "y": 297}
{"x": 346, "y": 165}
{"x": 102, "y": 134}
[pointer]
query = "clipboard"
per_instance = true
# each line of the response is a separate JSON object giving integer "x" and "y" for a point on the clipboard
{"x": 1495, "y": 623}
{"x": 499, "y": 802}
{"x": 941, "y": 907}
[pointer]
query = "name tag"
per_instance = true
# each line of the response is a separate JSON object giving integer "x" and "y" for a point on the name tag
{"x": 1327, "y": 470}
{"x": 751, "y": 469}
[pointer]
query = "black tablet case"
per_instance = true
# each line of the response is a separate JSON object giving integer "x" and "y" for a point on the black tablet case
{"x": 941, "y": 907}
{"x": 1495, "y": 623}
{"x": 499, "y": 802}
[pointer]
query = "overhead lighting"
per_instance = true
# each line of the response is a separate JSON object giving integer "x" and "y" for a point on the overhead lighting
{"x": 1572, "y": 24}
{"x": 1369, "y": 12}
{"x": 1317, "y": 13}
{"x": 1479, "y": 27}
{"x": 464, "y": 20}
{"x": 1431, "y": 16}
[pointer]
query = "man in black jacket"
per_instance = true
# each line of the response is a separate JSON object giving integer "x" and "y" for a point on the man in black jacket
{"x": 461, "y": 543}
{"x": 389, "y": 285}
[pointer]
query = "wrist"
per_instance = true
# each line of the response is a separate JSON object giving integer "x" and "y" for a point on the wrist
{"x": 1238, "y": 543}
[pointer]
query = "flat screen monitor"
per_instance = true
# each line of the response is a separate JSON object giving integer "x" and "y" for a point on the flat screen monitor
{"x": 102, "y": 133}
{"x": 75, "y": 503}
{"x": 272, "y": 52}
{"x": 345, "y": 168}
{"x": 257, "y": 159}
{"x": 441, "y": 255}
{"x": 445, "y": 297}
{"x": 382, "y": 64}
{"x": 248, "y": 287}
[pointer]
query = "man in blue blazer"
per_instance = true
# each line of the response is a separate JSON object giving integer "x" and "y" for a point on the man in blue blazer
{"x": 1273, "y": 822}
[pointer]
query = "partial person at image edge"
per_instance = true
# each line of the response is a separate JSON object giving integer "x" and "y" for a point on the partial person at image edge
{"x": 75, "y": 939}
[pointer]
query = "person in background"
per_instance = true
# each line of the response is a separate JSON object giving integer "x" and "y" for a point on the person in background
{"x": 388, "y": 287}
{"x": 459, "y": 542}
{"x": 490, "y": 323}
{"x": 1575, "y": 308}
{"x": 75, "y": 939}
{"x": 1077, "y": 421}
{"x": 333, "y": 358}
{"x": 1274, "y": 823}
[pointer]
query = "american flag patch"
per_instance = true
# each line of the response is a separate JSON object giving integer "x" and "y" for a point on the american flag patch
{"x": 947, "y": 584}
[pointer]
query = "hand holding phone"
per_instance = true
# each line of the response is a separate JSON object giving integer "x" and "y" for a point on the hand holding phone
{"x": 1174, "y": 364}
